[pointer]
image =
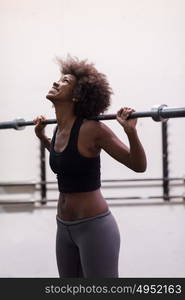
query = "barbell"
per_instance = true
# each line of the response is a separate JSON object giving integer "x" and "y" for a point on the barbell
{"x": 157, "y": 113}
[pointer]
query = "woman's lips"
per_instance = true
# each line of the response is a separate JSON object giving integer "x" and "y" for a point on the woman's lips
{"x": 53, "y": 89}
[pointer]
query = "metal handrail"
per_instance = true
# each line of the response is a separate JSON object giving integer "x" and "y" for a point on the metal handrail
{"x": 12, "y": 202}
{"x": 31, "y": 183}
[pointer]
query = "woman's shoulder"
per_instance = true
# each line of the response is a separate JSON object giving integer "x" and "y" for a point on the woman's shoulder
{"x": 96, "y": 127}
{"x": 92, "y": 124}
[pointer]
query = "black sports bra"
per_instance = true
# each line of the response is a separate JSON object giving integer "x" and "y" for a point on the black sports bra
{"x": 75, "y": 173}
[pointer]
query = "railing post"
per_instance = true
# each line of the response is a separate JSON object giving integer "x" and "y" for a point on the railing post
{"x": 165, "y": 160}
{"x": 43, "y": 188}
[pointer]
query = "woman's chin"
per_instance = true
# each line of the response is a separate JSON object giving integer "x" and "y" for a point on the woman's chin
{"x": 50, "y": 96}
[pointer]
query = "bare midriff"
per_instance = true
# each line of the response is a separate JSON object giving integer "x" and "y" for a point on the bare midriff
{"x": 74, "y": 206}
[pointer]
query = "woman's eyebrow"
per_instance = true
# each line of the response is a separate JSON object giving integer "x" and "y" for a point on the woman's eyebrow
{"x": 66, "y": 77}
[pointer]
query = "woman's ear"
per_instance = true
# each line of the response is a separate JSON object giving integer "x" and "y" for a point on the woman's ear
{"x": 77, "y": 92}
{"x": 80, "y": 93}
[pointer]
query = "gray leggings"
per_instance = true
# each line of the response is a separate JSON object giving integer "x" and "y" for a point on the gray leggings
{"x": 88, "y": 247}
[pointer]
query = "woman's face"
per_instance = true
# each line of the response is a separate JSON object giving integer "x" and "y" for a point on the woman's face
{"x": 63, "y": 88}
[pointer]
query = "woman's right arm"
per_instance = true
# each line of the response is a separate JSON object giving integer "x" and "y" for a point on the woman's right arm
{"x": 39, "y": 131}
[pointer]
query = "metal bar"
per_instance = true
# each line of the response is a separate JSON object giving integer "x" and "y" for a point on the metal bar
{"x": 171, "y": 112}
{"x": 134, "y": 198}
{"x": 132, "y": 180}
{"x": 141, "y": 179}
{"x": 33, "y": 183}
{"x": 157, "y": 113}
{"x": 141, "y": 114}
{"x": 18, "y": 183}
{"x": 12, "y": 202}
{"x": 43, "y": 173}
{"x": 127, "y": 186}
{"x": 165, "y": 161}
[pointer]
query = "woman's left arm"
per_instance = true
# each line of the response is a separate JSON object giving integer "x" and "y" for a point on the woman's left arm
{"x": 133, "y": 157}
{"x": 137, "y": 153}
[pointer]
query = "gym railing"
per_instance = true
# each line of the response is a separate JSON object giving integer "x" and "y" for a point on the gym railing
{"x": 106, "y": 184}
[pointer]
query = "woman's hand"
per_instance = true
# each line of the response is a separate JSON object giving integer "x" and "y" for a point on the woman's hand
{"x": 39, "y": 128}
{"x": 121, "y": 117}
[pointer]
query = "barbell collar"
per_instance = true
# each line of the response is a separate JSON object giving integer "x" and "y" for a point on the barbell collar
{"x": 156, "y": 112}
{"x": 19, "y": 124}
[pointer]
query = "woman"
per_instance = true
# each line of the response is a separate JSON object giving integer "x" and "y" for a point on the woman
{"x": 88, "y": 238}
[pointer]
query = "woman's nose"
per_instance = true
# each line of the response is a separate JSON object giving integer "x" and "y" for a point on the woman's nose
{"x": 55, "y": 84}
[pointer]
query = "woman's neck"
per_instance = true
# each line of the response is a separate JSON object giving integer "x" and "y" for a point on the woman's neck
{"x": 64, "y": 115}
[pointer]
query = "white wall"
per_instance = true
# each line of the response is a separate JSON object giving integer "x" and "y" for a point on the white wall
{"x": 140, "y": 45}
